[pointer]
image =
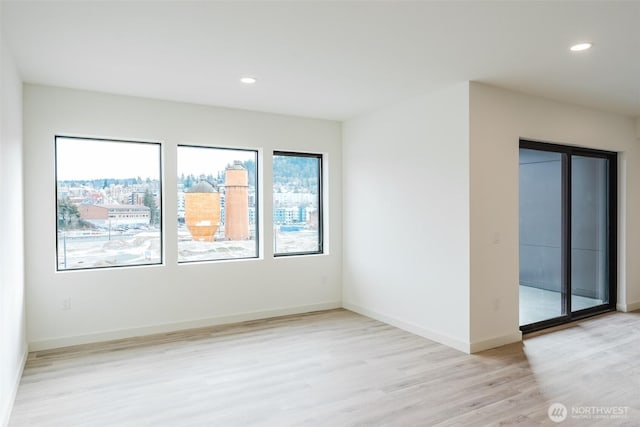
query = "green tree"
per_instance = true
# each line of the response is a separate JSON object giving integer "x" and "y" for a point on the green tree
{"x": 295, "y": 171}
{"x": 67, "y": 213}
{"x": 188, "y": 182}
{"x": 149, "y": 202}
{"x": 250, "y": 166}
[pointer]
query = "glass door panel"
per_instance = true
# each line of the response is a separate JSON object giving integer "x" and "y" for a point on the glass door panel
{"x": 589, "y": 232}
{"x": 542, "y": 294}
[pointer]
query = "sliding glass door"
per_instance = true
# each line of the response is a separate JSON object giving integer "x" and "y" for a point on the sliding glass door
{"x": 567, "y": 233}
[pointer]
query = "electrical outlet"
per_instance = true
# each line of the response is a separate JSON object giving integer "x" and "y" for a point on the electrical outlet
{"x": 66, "y": 303}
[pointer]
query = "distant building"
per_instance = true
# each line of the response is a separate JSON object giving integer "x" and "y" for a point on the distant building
{"x": 236, "y": 219}
{"x": 137, "y": 198}
{"x": 202, "y": 211}
{"x": 296, "y": 215}
{"x": 105, "y": 215}
{"x": 293, "y": 199}
{"x": 279, "y": 215}
{"x": 289, "y": 215}
{"x": 181, "y": 206}
{"x": 312, "y": 218}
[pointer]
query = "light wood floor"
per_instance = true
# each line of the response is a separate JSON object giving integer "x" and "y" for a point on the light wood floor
{"x": 333, "y": 368}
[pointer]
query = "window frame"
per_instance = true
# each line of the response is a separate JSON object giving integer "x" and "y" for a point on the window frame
{"x": 321, "y": 197}
{"x": 160, "y": 199}
{"x": 257, "y": 255}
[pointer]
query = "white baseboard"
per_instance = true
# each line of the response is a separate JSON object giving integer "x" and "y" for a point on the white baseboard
{"x": 496, "y": 342}
{"x": 633, "y": 306}
{"x": 5, "y": 409}
{"x": 178, "y": 326}
{"x": 410, "y": 327}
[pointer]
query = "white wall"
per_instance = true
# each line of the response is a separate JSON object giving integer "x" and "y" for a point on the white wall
{"x": 406, "y": 215}
{"x": 430, "y": 208}
{"x": 498, "y": 119}
{"x": 13, "y": 342}
{"x": 124, "y": 302}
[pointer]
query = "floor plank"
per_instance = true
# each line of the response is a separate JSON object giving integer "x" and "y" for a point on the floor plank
{"x": 333, "y": 368}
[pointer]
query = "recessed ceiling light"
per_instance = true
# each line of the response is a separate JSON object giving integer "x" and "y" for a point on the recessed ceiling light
{"x": 580, "y": 46}
{"x": 248, "y": 80}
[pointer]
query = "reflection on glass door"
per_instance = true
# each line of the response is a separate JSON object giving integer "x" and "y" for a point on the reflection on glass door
{"x": 567, "y": 233}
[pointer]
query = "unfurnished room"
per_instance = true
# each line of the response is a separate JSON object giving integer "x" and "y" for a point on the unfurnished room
{"x": 319, "y": 213}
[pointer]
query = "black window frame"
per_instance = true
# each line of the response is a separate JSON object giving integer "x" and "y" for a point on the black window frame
{"x": 160, "y": 198}
{"x": 320, "y": 158}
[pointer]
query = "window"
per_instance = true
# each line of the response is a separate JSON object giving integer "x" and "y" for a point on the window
{"x": 297, "y": 203}
{"x": 217, "y": 203}
{"x": 109, "y": 203}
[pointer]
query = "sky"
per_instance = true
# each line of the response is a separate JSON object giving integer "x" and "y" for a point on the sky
{"x": 85, "y": 159}
{"x": 204, "y": 161}
{"x": 88, "y": 159}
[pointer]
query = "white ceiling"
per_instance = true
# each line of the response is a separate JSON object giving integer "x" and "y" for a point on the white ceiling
{"x": 328, "y": 59}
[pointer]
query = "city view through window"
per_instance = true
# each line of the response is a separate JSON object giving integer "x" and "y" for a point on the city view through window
{"x": 217, "y": 204}
{"x": 297, "y": 203}
{"x": 108, "y": 203}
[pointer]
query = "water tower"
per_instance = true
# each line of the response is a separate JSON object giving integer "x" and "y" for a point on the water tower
{"x": 202, "y": 211}
{"x": 236, "y": 217}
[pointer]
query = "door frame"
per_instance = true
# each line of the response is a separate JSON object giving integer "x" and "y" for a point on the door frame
{"x": 568, "y": 152}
